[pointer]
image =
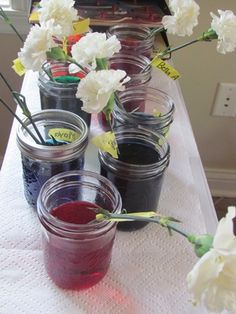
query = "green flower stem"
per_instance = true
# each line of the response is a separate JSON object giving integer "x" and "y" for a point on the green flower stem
{"x": 71, "y": 60}
{"x": 169, "y": 49}
{"x": 101, "y": 64}
{"x": 20, "y": 100}
{"x": 7, "y": 20}
{"x": 19, "y": 120}
{"x": 155, "y": 31}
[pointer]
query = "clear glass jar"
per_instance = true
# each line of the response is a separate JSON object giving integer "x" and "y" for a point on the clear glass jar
{"x": 41, "y": 162}
{"x": 133, "y": 38}
{"x": 77, "y": 248}
{"x": 144, "y": 106}
{"x": 55, "y": 95}
{"x": 138, "y": 172}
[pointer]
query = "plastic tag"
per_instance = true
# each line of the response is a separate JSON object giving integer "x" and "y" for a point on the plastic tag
{"x": 107, "y": 143}
{"x": 66, "y": 135}
{"x": 166, "y": 68}
{"x": 81, "y": 27}
{"x": 18, "y": 67}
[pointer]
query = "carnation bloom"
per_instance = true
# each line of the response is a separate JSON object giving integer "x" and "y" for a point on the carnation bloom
{"x": 94, "y": 46}
{"x": 213, "y": 278}
{"x": 97, "y": 87}
{"x": 225, "y": 26}
{"x": 37, "y": 43}
{"x": 61, "y": 11}
{"x": 184, "y": 18}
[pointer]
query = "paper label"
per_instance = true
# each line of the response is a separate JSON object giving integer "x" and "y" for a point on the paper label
{"x": 64, "y": 45}
{"x": 166, "y": 68}
{"x": 81, "y": 27}
{"x": 18, "y": 67}
{"x": 107, "y": 143}
{"x": 65, "y": 135}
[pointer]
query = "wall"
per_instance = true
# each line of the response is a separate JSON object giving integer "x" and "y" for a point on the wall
{"x": 10, "y": 45}
{"x": 202, "y": 68}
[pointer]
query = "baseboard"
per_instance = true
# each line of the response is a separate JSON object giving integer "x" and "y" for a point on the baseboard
{"x": 222, "y": 182}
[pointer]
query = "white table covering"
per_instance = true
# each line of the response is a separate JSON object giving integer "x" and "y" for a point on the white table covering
{"x": 148, "y": 269}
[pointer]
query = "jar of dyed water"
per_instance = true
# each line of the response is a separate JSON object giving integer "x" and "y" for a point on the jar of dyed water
{"x": 77, "y": 247}
{"x": 60, "y": 95}
{"x": 144, "y": 106}
{"x": 41, "y": 162}
{"x": 138, "y": 172}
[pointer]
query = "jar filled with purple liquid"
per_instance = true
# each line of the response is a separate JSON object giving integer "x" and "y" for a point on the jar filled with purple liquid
{"x": 55, "y": 95}
{"x": 41, "y": 162}
{"x": 134, "y": 38}
{"x": 138, "y": 172}
{"x": 144, "y": 106}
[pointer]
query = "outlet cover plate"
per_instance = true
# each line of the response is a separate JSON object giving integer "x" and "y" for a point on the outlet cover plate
{"x": 225, "y": 100}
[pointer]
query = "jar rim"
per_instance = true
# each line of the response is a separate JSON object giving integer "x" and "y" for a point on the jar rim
{"x": 70, "y": 228}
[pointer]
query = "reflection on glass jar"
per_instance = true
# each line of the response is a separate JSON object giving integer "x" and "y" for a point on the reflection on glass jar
{"x": 144, "y": 106}
{"x": 55, "y": 95}
{"x": 133, "y": 38}
{"x": 139, "y": 170}
{"x": 77, "y": 248}
{"x": 41, "y": 162}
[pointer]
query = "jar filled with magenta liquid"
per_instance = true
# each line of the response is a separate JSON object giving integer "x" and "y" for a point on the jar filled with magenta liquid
{"x": 77, "y": 248}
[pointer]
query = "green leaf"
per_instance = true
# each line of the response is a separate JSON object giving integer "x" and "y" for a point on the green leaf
{"x": 56, "y": 53}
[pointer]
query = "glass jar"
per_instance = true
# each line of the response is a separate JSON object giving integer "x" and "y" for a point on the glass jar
{"x": 55, "y": 95}
{"x": 139, "y": 170}
{"x": 144, "y": 106}
{"x": 133, "y": 38}
{"x": 77, "y": 247}
{"x": 41, "y": 162}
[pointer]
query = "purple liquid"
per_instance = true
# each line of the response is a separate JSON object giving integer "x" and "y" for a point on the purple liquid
{"x": 75, "y": 264}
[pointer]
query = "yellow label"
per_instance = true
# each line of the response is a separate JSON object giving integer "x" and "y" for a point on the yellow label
{"x": 18, "y": 67}
{"x": 66, "y": 135}
{"x": 81, "y": 27}
{"x": 64, "y": 45}
{"x": 34, "y": 17}
{"x": 107, "y": 143}
{"x": 156, "y": 113}
{"x": 166, "y": 68}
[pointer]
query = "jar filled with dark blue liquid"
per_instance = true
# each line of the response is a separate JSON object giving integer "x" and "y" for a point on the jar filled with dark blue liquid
{"x": 57, "y": 95}
{"x": 41, "y": 162}
{"x": 138, "y": 172}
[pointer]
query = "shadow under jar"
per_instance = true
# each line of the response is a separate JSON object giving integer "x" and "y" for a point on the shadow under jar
{"x": 144, "y": 106}
{"x": 41, "y": 162}
{"x": 77, "y": 247}
{"x": 133, "y": 38}
{"x": 138, "y": 172}
{"x": 55, "y": 95}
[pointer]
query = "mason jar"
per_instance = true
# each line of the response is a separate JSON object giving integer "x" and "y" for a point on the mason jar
{"x": 40, "y": 162}
{"x": 134, "y": 38}
{"x": 144, "y": 106}
{"x": 55, "y": 95}
{"x": 138, "y": 173}
{"x": 77, "y": 248}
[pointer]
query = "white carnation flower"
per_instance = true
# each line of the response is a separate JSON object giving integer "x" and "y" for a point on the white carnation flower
{"x": 61, "y": 11}
{"x": 225, "y": 26}
{"x": 212, "y": 280}
{"x": 97, "y": 87}
{"x": 94, "y": 46}
{"x": 37, "y": 43}
{"x": 184, "y": 18}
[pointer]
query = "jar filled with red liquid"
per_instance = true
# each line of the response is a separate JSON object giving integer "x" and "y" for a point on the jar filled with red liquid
{"x": 77, "y": 247}
{"x": 138, "y": 172}
{"x": 139, "y": 70}
{"x": 134, "y": 39}
{"x": 144, "y": 106}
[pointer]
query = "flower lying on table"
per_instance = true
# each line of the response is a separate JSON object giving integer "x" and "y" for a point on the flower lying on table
{"x": 212, "y": 280}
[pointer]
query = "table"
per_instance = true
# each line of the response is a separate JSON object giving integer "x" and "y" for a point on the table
{"x": 148, "y": 269}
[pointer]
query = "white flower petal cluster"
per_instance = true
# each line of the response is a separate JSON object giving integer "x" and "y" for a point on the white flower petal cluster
{"x": 38, "y": 42}
{"x": 94, "y": 46}
{"x": 184, "y": 18}
{"x": 61, "y": 11}
{"x": 213, "y": 278}
{"x": 97, "y": 87}
{"x": 225, "y": 28}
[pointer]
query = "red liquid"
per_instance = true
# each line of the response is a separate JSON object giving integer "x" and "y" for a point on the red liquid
{"x": 77, "y": 263}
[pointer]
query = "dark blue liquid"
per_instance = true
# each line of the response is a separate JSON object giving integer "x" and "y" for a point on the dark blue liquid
{"x": 36, "y": 173}
{"x": 138, "y": 195}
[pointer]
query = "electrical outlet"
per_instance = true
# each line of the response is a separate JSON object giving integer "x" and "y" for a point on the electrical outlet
{"x": 225, "y": 100}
